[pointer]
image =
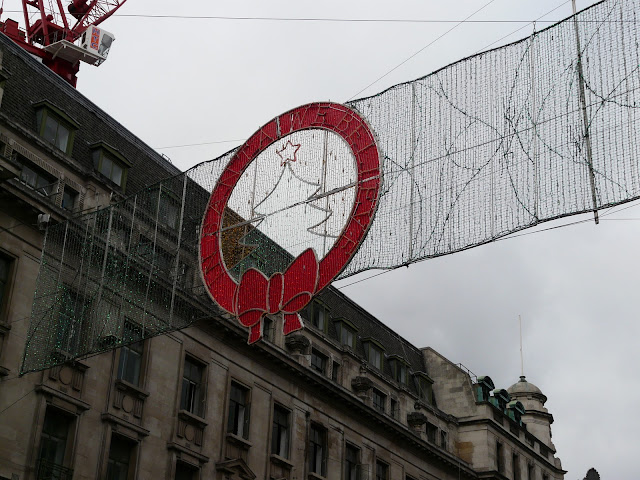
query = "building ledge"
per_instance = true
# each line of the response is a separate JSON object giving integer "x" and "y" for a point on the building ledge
{"x": 239, "y": 441}
{"x": 110, "y": 418}
{"x": 179, "y": 448}
{"x": 281, "y": 461}
{"x": 79, "y": 404}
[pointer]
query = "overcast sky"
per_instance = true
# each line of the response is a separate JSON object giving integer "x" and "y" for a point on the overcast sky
{"x": 201, "y": 81}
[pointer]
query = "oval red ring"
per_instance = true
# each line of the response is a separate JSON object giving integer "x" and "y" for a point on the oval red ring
{"x": 330, "y": 116}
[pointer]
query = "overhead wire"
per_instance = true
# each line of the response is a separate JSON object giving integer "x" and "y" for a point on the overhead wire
{"x": 467, "y": 20}
{"x": 13, "y": 403}
{"x": 325, "y": 19}
{"x": 537, "y": 20}
{"x": 422, "y": 49}
{"x": 199, "y": 144}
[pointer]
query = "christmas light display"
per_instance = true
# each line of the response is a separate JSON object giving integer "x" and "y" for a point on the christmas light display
{"x": 530, "y": 132}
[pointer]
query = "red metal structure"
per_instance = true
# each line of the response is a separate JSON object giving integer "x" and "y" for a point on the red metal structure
{"x": 51, "y": 30}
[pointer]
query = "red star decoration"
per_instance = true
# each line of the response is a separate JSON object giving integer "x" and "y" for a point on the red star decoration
{"x": 288, "y": 152}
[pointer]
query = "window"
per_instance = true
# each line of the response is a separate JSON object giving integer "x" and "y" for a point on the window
{"x": 499, "y": 459}
{"x": 382, "y": 470}
{"x": 515, "y": 461}
{"x": 72, "y": 323}
{"x": 267, "y": 329}
{"x": 395, "y": 408}
{"x": 56, "y": 132}
{"x": 5, "y": 265}
{"x": 280, "y": 432}
{"x": 144, "y": 249}
{"x": 192, "y": 399}
{"x": 36, "y": 178}
{"x": 106, "y": 166}
{"x": 110, "y": 163}
{"x": 374, "y": 353}
{"x": 318, "y": 450}
{"x": 163, "y": 260}
{"x": 379, "y": 400}
{"x": 318, "y": 315}
{"x": 347, "y": 336}
{"x": 169, "y": 203}
{"x": 399, "y": 370}
{"x": 544, "y": 451}
{"x": 169, "y": 214}
{"x": 432, "y": 431}
{"x": 346, "y": 333}
{"x": 55, "y": 126}
{"x": 318, "y": 361}
{"x": 335, "y": 371}
{"x": 130, "y": 361}
{"x": 69, "y": 197}
{"x": 53, "y": 445}
{"x": 239, "y": 409}
{"x": 529, "y": 471}
{"x": 424, "y": 385}
{"x": 184, "y": 471}
{"x": 351, "y": 463}
{"x": 443, "y": 439}
{"x": 120, "y": 458}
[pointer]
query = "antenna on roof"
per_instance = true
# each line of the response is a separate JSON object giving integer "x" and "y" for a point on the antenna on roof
{"x": 521, "y": 357}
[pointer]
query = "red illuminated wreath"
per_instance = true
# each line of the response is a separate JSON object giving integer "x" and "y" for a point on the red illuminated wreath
{"x": 290, "y": 291}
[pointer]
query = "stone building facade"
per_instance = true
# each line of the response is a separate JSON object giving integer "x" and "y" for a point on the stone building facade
{"x": 346, "y": 398}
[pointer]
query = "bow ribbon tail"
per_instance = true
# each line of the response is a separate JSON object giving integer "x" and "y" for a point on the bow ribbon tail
{"x": 292, "y": 322}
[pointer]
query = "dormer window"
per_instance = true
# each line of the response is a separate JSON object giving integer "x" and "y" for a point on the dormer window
{"x": 110, "y": 163}
{"x": 500, "y": 398}
{"x": 483, "y": 388}
{"x": 55, "y": 126}
{"x": 374, "y": 352}
{"x": 424, "y": 385}
{"x": 169, "y": 212}
{"x": 318, "y": 315}
{"x": 399, "y": 369}
{"x": 346, "y": 332}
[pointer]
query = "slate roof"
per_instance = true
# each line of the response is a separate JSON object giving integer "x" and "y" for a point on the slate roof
{"x": 370, "y": 327}
{"x": 30, "y": 82}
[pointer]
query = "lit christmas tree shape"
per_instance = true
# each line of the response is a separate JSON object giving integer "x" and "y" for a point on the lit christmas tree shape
{"x": 294, "y": 203}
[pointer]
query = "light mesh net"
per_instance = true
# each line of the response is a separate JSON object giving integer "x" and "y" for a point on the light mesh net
{"x": 495, "y": 143}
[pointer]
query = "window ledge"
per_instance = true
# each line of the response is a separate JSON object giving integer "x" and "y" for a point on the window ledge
{"x": 347, "y": 348}
{"x": 79, "y": 405}
{"x": 281, "y": 461}
{"x": 315, "y": 476}
{"x": 237, "y": 440}
{"x": 62, "y": 357}
{"x": 131, "y": 388}
{"x": 191, "y": 418}
{"x": 124, "y": 424}
{"x": 181, "y": 449}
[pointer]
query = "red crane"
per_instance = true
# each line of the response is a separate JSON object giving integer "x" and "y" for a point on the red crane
{"x": 64, "y": 37}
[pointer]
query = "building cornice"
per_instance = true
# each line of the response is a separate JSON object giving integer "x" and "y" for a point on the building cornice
{"x": 497, "y": 428}
{"x": 337, "y": 394}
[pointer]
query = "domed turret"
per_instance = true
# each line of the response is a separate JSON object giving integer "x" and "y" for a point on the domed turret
{"x": 526, "y": 390}
{"x": 537, "y": 417}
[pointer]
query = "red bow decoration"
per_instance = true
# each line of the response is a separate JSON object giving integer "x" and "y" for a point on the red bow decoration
{"x": 287, "y": 292}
